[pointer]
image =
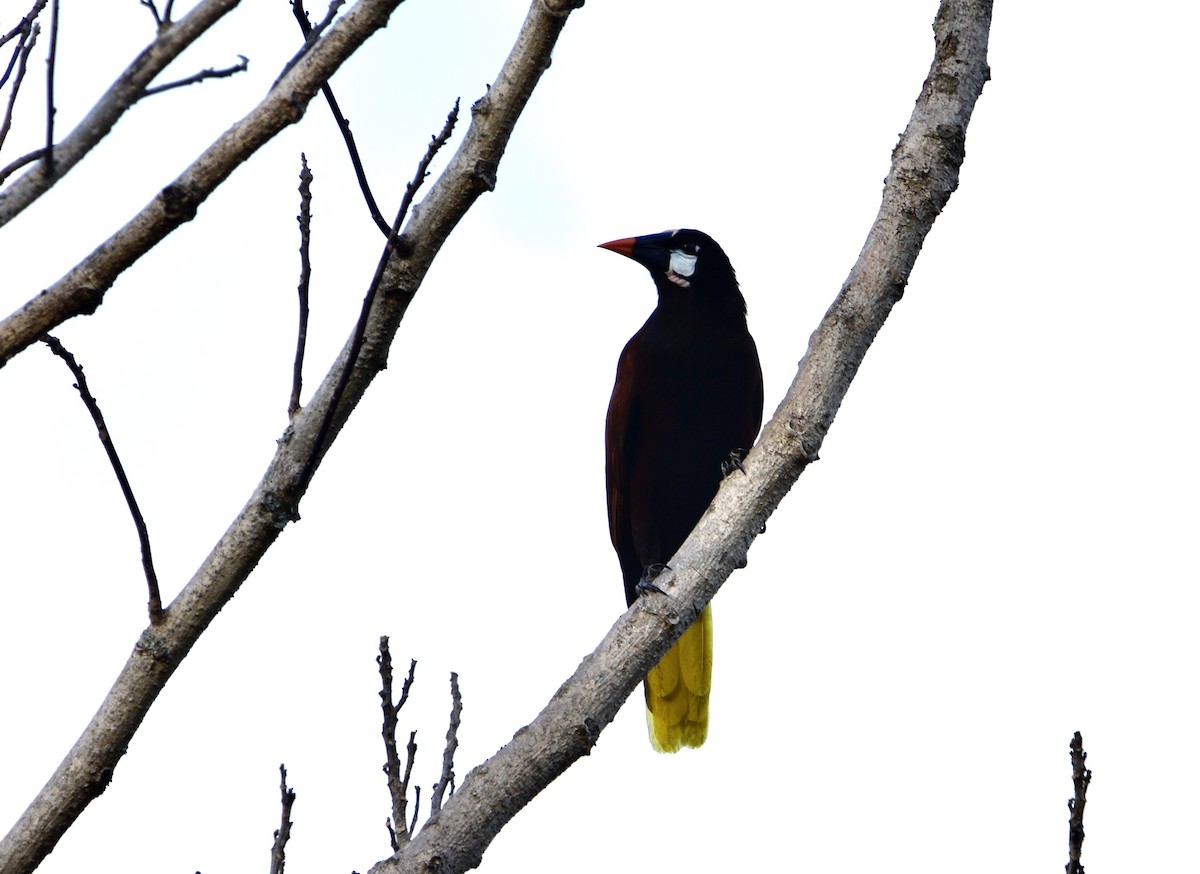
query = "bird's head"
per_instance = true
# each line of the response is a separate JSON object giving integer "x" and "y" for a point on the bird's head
{"x": 682, "y": 259}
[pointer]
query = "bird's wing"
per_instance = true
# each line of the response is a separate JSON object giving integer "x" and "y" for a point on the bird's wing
{"x": 622, "y": 420}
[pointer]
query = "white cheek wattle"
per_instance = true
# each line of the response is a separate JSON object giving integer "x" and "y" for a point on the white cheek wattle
{"x": 682, "y": 264}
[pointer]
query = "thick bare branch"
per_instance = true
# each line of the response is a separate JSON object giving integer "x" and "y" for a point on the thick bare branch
{"x": 83, "y": 288}
{"x": 127, "y": 90}
{"x": 925, "y": 167}
{"x": 88, "y": 767}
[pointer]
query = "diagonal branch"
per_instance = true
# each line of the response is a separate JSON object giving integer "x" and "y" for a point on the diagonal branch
{"x": 344, "y": 126}
{"x": 82, "y": 290}
{"x": 88, "y": 767}
{"x": 21, "y": 60}
{"x": 155, "y": 601}
{"x": 924, "y": 173}
{"x": 127, "y": 90}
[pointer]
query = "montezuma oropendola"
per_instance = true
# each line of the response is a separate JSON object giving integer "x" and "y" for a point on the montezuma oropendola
{"x": 688, "y": 397}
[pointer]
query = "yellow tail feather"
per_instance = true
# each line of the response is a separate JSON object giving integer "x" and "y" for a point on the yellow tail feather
{"x": 677, "y": 690}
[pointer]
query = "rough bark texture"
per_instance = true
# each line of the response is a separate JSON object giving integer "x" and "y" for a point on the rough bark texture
{"x": 129, "y": 88}
{"x": 82, "y": 290}
{"x": 924, "y": 173}
{"x": 88, "y": 768}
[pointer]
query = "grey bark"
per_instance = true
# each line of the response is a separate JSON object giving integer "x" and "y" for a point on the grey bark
{"x": 925, "y": 166}
{"x": 88, "y": 767}
{"x": 82, "y": 289}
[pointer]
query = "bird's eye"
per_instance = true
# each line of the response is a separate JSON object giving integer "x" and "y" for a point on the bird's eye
{"x": 691, "y": 248}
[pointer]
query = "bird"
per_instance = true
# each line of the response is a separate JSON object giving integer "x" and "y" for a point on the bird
{"x": 686, "y": 407}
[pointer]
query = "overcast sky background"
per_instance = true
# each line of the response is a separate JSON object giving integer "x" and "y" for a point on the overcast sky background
{"x": 996, "y": 549}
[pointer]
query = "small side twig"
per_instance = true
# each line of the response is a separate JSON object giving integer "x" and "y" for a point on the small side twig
{"x": 287, "y": 798}
{"x": 446, "y": 781}
{"x": 155, "y": 601}
{"x": 163, "y": 20}
{"x": 360, "y": 329}
{"x": 241, "y": 66}
{"x": 344, "y": 126}
{"x": 22, "y": 27}
{"x": 20, "y": 59}
{"x": 18, "y": 163}
{"x": 399, "y": 832}
{"x": 48, "y": 157}
{"x": 305, "y": 220}
{"x": 1081, "y": 776}
{"x": 312, "y": 35}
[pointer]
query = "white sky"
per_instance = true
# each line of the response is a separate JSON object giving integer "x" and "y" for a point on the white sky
{"x": 996, "y": 549}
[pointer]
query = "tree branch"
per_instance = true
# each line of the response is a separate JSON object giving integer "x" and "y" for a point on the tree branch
{"x": 88, "y": 767}
{"x": 48, "y": 156}
{"x": 287, "y": 797}
{"x": 305, "y": 221}
{"x": 209, "y": 73}
{"x": 82, "y": 290}
{"x": 398, "y": 830}
{"x": 1081, "y": 777}
{"x": 127, "y": 90}
{"x": 446, "y": 781}
{"x": 925, "y": 167}
{"x": 344, "y": 126}
{"x": 21, "y": 60}
{"x": 155, "y": 601}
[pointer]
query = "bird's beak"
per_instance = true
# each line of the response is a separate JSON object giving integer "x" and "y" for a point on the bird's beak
{"x": 621, "y": 247}
{"x": 649, "y": 250}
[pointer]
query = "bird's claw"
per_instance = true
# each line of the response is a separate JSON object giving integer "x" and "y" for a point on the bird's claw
{"x": 649, "y": 575}
{"x": 734, "y": 462}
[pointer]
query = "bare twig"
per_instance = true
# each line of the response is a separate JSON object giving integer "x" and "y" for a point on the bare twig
{"x": 21, "y": 59}
{"x": 155, "y": 602}
{"x": 18, "y": 163}
{"x": 83, "y": 288}
{"x": 210, "y": 73}
{"x": 22, "y": 27}
{"x": 128, "y": 88}
{"x": 397, "y": 827}
{"x": 1081, "y": 777}
{"x": 344, "y": 126}
{"x": 305, "y": 220}
{"x": 87, "y": 768}
{"x": 162, "y": 21}
{"x": 447, "y": 778}
{"x": 287, "y": 798}
{"x": 360, "y": 329}
{"x": 48, "y": 156}
{"x": 312, "y": 35}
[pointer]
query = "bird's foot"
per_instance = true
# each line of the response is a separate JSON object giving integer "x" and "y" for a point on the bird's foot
{"x": 649, "y": 574}
{"x": 734, "y": 462}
